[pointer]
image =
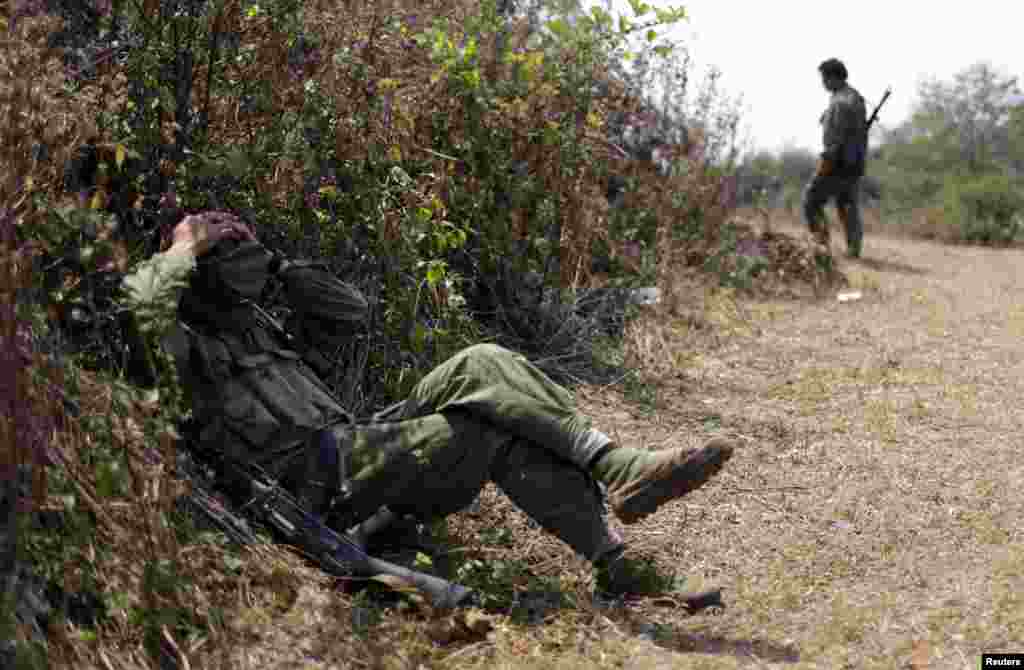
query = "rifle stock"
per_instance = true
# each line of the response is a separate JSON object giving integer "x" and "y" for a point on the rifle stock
{"x": 334, "y": 552}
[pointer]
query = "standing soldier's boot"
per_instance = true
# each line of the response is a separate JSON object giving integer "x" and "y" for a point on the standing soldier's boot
{"x": 639, "y": 482}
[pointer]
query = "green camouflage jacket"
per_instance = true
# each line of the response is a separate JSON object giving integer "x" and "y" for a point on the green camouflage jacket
{"x": 252, "y": 394}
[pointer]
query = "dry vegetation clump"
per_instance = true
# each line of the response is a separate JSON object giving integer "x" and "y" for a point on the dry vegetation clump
{"x": 389, "y": 98}
{"x": 76, "y": 431}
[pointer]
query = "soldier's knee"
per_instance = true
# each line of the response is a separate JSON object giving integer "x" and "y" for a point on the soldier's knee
{"x": 486, "y": 352}
{"x": 485, "y": 349}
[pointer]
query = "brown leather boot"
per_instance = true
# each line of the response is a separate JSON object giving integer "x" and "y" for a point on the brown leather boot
{"x": 640, "y": 482}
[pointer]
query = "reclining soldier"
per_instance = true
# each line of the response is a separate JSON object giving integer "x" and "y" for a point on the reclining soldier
{"x": 486, "y": 414}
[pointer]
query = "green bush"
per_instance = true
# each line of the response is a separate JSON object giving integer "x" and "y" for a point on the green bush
{"x": 984, "y": 209}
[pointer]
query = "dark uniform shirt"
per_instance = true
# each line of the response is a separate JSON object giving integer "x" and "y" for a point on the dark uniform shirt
{"x": 844, "y": 133}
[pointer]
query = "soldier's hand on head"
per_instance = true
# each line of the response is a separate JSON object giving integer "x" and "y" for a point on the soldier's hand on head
{"x": 199, "y": 233}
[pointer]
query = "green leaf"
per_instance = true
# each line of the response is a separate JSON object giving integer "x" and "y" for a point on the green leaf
{"x": 471, "y": 79}
{"x": 601, "y": 17}
{"x": 663, "y": 50}
{"x": 400, "y": 176}
{"x": 419, "y": 338}
{"x": 237, "y": 162}
{"x": 639, "y": 8}
{"x": 559, "y": 27}
{"x": 119, "y": 153}
{"x": 670, "y": 15}
{"x": 84, "y": 635}
{"x": 652, "y": 35}
{"x": 550, "y": 136}
{"x": 436, "y": 272}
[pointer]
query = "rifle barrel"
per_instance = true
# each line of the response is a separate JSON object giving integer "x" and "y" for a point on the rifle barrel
{"x": 878, "y": 108}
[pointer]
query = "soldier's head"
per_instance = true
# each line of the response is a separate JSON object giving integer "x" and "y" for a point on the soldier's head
{"x": 833, "y": 74}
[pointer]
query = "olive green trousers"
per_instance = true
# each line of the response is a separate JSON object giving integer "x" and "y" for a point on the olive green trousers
{"x": 485, "y": 415}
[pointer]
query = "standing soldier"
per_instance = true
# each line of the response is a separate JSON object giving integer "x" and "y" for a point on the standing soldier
{"x": 845, "y": 139}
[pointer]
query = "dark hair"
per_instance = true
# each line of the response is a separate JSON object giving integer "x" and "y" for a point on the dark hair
{"x": 833, "y": 67}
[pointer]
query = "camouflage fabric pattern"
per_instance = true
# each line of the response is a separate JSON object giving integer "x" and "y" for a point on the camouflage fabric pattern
{"x": 485, "y": 415}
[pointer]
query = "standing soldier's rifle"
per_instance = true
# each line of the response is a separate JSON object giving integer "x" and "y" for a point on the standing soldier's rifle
{"x": 874, "y": 114}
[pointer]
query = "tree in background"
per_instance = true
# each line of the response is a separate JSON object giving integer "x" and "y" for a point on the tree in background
{"x": 970, "y": 114}
{"x": 775, "y": 179}
{"x": 957, "y": 155}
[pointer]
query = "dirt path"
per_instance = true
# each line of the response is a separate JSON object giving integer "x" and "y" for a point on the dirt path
{"x": 875, "y": 519}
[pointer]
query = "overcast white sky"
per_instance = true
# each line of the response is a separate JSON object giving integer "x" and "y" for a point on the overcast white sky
{"x": 769, "y": 52}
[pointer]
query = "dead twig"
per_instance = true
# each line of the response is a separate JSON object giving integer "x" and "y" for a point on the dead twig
{"x": 775, "y": 489}
{"x": 179, "y": 656}
{"x": 466, "y": 650}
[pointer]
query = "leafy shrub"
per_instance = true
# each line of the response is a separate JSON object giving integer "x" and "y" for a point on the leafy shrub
{"x": 985, "y": 209}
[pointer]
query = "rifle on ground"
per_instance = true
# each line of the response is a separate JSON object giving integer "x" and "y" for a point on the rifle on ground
{"x": 874, "y": 114}
{"x": 335, "y": 553}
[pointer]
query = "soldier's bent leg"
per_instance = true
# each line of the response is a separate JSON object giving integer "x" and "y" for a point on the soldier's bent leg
{"x": 431, "y": 466}
{"x": 559, "y": 496}
{"x": 437, "y": 464}
{"x": 503, "y": 388}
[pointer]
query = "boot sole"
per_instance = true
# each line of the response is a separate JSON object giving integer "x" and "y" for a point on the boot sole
{"x": 696, "y": 471}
